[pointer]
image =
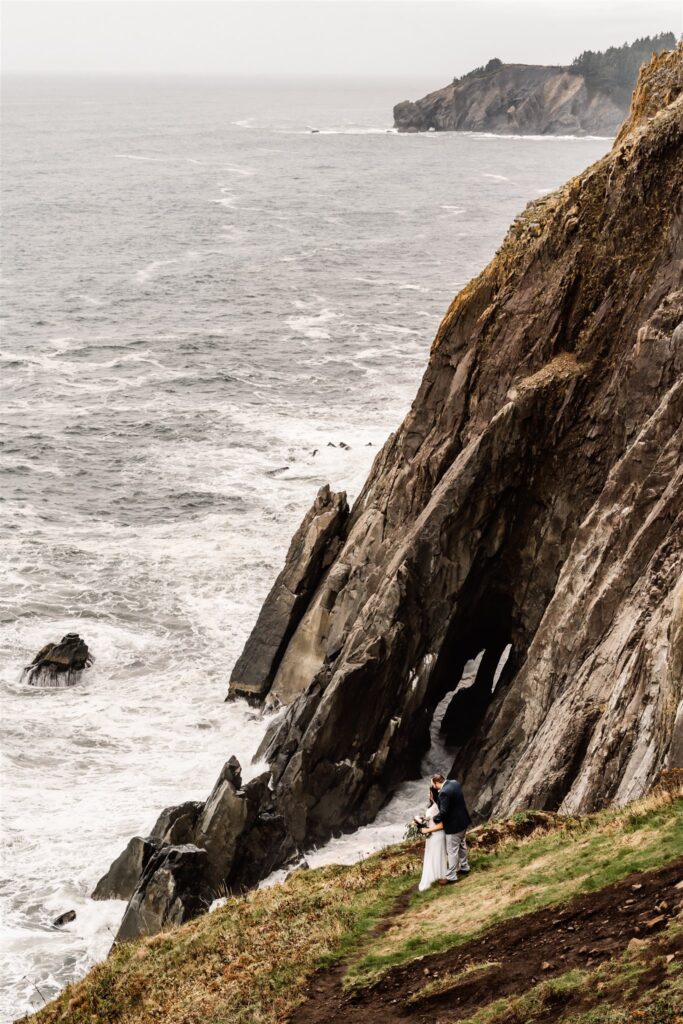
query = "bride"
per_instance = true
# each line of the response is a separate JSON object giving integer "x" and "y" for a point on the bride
{"x": 435, "y": 862}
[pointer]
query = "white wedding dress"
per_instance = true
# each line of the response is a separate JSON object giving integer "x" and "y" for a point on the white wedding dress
{"x": 435, "y": 863}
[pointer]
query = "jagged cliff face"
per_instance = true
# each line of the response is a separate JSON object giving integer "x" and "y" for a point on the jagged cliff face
{"x": 531, "y": 500}
{"x": 522, "y": 99}
{"x": 532, "y": 497}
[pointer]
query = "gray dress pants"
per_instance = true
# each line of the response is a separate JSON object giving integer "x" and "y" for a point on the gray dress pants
{"x": 456, "y": 852}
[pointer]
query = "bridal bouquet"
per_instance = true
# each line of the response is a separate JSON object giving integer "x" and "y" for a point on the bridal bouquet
{"x": 413, "y": 830}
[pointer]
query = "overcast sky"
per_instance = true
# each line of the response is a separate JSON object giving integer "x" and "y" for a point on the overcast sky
{"x": 360, "y": 38}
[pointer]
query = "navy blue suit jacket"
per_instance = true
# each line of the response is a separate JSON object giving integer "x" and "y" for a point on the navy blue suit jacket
{"x": 453, "y": 813}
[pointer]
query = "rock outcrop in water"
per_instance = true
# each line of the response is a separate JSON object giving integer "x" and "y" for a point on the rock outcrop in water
{"x": 530, "y": 503}
{"x": 59, "y": 664}
{"x": 589, "y": 97}
{"x": 196, "y": 851}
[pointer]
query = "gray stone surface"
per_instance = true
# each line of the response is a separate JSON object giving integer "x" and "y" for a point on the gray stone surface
{"x": 176, "y": 825}
{"x": 313, "y": 548}
{"x": 518, "y": 99}
{"x": 532, "y": 496}
{"x": 124, "y": 873}
{"x": 170, "y": 891}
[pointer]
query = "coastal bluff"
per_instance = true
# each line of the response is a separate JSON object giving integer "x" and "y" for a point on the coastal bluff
{"x": 589, "y": 97}
{"x": 528, "y": 507}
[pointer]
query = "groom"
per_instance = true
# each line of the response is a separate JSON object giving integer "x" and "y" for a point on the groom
{"x": 454, "y": 818}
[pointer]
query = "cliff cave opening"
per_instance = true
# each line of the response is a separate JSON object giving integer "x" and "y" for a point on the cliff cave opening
{"x": 474, "y": 661}
{"x": 470, "y": 703}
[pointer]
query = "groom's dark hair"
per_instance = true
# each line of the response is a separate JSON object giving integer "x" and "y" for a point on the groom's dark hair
{"x": 437, "y": 778}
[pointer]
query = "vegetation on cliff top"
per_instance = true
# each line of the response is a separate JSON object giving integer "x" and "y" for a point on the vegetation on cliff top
{"x": 250, "y": 961}
{"x": 613, "y": 70}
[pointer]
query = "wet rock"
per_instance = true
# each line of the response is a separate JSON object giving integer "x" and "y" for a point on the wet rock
{"x": 171, "y": 890}
{"x": 313, "y": 548}
{"x": 230, "y": 772}
{"x": 59, "y": 664}
{"x": 242, "y": 838}
{"x": 121, "y": 879}
{"x": 263, "y": 848}
{"x": 176, "y": 825}
{"x": 66, "y": 918}
{"x": 224, "y": 817}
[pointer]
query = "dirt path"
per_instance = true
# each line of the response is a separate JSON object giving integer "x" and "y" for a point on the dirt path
{"x": 523, "y": 951}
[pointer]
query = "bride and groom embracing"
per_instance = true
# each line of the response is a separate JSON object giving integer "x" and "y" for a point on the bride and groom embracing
{"x": 444, "y": 826}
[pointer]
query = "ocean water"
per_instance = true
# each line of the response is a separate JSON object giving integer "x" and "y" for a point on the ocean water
{"x": 202, "y": 297}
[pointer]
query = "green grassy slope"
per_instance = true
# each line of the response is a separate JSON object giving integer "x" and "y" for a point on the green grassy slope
{"x": 249, "y": 962}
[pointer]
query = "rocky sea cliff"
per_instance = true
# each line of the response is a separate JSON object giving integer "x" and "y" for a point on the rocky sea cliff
{"x": 589, "y": 97}
{"x": 529, "y": 507}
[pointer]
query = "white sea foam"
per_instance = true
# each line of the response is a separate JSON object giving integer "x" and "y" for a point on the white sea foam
{"x": 153, "y": 269}
{"x": 244, "y": 172}
{"x": 148, "y": 272}
{"x": 135, "y": 156}
{"x": 147, "y": 700}
{"x": 228, "y": 198}
{"x": 534, "y": 138}
{"x": 357, "y": 130}
{"x": 311, "y": 327}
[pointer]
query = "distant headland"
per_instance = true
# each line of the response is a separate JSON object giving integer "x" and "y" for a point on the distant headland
{"x": 589, "y": 97}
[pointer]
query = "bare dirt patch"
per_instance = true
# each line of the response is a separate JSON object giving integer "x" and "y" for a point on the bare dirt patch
{"x": 522, "y": 951}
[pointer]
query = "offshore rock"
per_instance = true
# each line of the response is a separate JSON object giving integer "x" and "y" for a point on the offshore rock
{"x": 313, "y": 548}
{"x": 66, "y": 918}
{"x": 59, "y": 664}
